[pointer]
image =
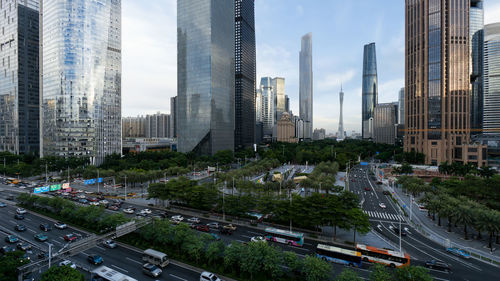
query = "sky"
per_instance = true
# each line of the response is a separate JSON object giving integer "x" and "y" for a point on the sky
{"x": 340, "y": 30}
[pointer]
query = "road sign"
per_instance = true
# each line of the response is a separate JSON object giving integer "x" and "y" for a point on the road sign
{"x": 364, "y": 163}
{"x": 99, "y": 179}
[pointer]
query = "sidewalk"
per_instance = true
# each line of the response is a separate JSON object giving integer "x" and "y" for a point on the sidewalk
{"x": 439, "y": 234}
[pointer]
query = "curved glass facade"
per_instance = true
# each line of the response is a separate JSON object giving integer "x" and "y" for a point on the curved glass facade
{"x": 205, "y": 76}
{"x": 491, "y": 116}
{"x": 306, "y": 85}
{"x": 369, "y": 89}
{"x": 81, "y": 96}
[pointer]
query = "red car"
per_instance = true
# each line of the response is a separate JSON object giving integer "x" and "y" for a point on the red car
{"x": 70, "y": 237}
{"x": 113, "y": 207}
{"x": 203, "y": 228}
{"x": 368, "y": 189}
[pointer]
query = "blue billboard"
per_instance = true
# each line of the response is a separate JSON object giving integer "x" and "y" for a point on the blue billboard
{"x": 364, "y": 163}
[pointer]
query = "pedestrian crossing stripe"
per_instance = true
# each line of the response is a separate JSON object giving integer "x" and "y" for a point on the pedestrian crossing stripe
{"x": 385, "y": 216}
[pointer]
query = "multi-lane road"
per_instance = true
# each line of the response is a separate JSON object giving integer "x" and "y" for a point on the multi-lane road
{"x": 421, "y": 249}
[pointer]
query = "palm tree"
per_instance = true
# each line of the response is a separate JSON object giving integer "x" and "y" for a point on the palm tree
{"x": 477, "y": 222}
{"x": 464, "y": 215}
{"x": 491, "y": 224}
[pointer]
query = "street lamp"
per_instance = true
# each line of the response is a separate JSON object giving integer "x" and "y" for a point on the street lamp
{"x": 50, "y": 252}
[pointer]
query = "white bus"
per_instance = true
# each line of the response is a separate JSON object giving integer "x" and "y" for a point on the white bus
{"x": 155, "y": 257}
{"x": 104, "y": 273}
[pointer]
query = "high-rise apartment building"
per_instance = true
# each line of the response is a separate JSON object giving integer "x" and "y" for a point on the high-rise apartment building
{"x": 369, "y": 90}
{"x": 19, "y": 76}
{"x": 384, "y": 123}
{"x": 173, "y": 117}
{"x": 437, "y": 81}
{"x": 278, "y": 85}
{"x": 134, "y": 127}
{"x": 340, "y": 134}
{"x": 245, "y": 64}
{"x": 205, "y": 76}
{"x": 401, "y": 107}
{"x": 81, "y": 84}
{"x": 491, "y": 112}
{"x": 306, "y": 85}
{"x": 476, "y": 24}
{"x": 268, "y": 105}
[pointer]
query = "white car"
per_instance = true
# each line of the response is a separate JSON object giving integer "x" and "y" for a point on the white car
{"x": 258, "y": 239}
{"x": 178, "y": 218}
{"x": 88, "y": 192}
{"x": 67, "y": 263}
{"x": 81, "y": 196}
{"x": 94, "y": 203}
{"x": 128, "y": 211}
{"x": 21, "y": 211}
{"x": 146, "y": 211}
{"x": 194, "y": 220}
{"x": 382, "y": 205}
{"x": 79, "y": 191}
{"x": 60, "y": 225}
{"x": 104, "y": 202}
{"x": 209, "y": 276}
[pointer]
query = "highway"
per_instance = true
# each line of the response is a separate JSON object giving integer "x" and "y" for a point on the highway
{"x": 419, "y": 248}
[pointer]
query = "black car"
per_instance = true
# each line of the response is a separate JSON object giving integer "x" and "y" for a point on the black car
{"x": 45, "y": 227}
{"x": 42, "y": 255}
{"x": 19, "y": 217}
{"x": 20, "y": 227}
{"x": 403, "y": 232}
{"x": 7, "y": 249}
{"x": 438, "y": 265}
{"x": 225, "y": 231}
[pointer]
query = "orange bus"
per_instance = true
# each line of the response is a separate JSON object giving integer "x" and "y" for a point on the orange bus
{"x": 383, "y": 256}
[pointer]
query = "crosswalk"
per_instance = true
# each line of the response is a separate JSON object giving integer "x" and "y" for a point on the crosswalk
{"x": 384, "y": 216}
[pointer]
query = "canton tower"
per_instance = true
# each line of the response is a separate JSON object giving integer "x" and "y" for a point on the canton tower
{"x": 340, "y": 134}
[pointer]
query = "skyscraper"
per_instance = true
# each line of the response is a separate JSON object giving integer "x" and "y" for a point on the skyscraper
{"x": 340, "y": 134}
{"x": 369, "y": 90}
{"x": 278, "y": 85}
{"x": 173, "y": 117}
{"x": 384, "y": 123}
{"x": 268, "y": 105}
{"x": 401, "y": 107}
{"x": 19, "y": 77}
{"x": 476, "y": 24}
{"x": 244, "y": 133}
{"x": 205, "y": 76}
{"x": 437, "y": 82}
{"x": 306, "y": 85}
{"x": 81, "y": 86}
{"x": 491, "y": 115}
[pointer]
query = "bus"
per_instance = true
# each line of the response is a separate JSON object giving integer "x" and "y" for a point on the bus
{"x": 284, "y": 236}
{"x": 155, "y": 257}
{"x": 339, "y": 255}
{"x": 383, "y": 256}
{"x": 104, "y": 273}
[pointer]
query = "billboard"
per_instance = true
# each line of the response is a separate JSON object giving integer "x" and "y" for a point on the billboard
{"x": 65, "y": 185}
{"x": 55, "y": 187}
{"x": 364, "y": 163}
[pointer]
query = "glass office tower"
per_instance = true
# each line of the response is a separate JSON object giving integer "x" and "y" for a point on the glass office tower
{"x": 306, "y": 85}
{"x": 19, "y": 77}
{"x": 491, "y": 116}
{"x": 476, "y": 24}
{"x": 244, "y": 133}
{"x": 369, "y": 92}
{"x": 81, "y": 91}
{"x": 205, "y": 76}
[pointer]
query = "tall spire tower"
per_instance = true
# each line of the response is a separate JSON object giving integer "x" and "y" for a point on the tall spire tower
{"x": 340, "y": 134}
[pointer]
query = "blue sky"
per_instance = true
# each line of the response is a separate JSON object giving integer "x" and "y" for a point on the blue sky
{"x": 340, "y": 29}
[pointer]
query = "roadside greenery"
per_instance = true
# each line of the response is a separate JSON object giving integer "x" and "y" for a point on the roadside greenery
{"x": 407, "y": 273}
{"x": 9, "y": 263}
{"x": 62, "y": 273}
{"x": 251, "y": 169}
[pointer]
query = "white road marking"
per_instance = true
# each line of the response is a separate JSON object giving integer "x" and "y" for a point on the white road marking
{"x": 246, "y": 236}
{"x": 260, "y": 234}
{"x": 177, "y": 277}
{"x": 119, "y": 268}
{"x": 101, "y": 248}
{"x": 31, "y": 230}
{"x": 57, "y": 242}
{"x": 28, "y": 219}
{"x": 133, "y": 260}
{"x": 308, "y": 244}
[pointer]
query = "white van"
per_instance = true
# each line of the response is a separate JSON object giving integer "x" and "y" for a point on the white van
{"x": 209, "y": 276}
{"x": 155, "y": 257}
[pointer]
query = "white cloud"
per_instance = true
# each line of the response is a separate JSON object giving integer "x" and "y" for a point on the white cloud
{"x": 300, "y": 10}
{"x": 389, "y": 90}
{"x": 332, "y": 81}
{"x": 491, "y": 12}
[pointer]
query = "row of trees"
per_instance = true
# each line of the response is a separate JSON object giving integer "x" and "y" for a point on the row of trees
{"x": 460, "y": 169}
{"x": 323, "y": 177}
{"x": 252, "y": 169}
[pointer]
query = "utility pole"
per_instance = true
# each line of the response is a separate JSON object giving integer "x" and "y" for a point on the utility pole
{"x": 223, "y": 203}
{"x": 4, "y": 167}
{"x": 68, "y": 174}
{"x": 46, "y": 172}
{"x": 400, "y": 234}
{"x": 290, "y": 192}
{"x": 50, "y": 253}
{"x": 411, "y": 205}
{"x": 232, "y": 190}
{"x": 125, "y": 187}
{"x": 97, "y": 180}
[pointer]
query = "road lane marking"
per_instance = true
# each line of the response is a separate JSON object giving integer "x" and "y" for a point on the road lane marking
{"x": 246, "y": 236}
{"x": 119, "y": 268}
{"x": 101, "y": 248}
{"x": 28, "y": 219}
{"x": 132, "y": 260}
{"x": 57, "y": 242}
{"x": 31, "y": 230}
{"x": 13, "y": 222}
{"x": 260, "y": 234}
{"x": 177, "y": 277}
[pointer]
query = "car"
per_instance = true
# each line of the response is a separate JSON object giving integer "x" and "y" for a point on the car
{"x": 178, "y": 218}
{"x": 110, "y": 244}
{"x": 379, "y": 182}
{"x": 174, "y": 221}
{"x": 20, "y": 227}
{"x": 3, "y": 205}
{"x": 214, "y": 225}
{"x": 194, "y": 220}
{"x": 141, "y": 215}
{"x": 88, "y": 192}
{"x": 403, "y": 231}
{"x": 70, "y": 237}
{"x": 382, "y": 205}
{"x": 60, "y": 225}
{"x": 45, "y": 227}
{"x": 225, "y": 231}
{"x": 230, "y": 227}
{"x": 128, "y": 211}
{"x": 19, "y": 217}
{"x": 104, "y": 202}
{"x": 23, "y": 246}
{"x": 113, "y": 208}
{"x": 83, "y": 201}
{"x": 67, "y": 263}
{"x": 258, "y": 239}
{"x": 11, "y": 239}
{"x": 458, "y": 252}
{"x": 151, "y": 270}
{"x": 146, "y": 211}
{"x": 94, "y": 259}
{"x": 215, "y": 236}
{"x": 42, "y": 255}
{"x": 368, "y": 189}
{"x": 41, "y": 237}
{"x": 94, "y": 203}
{"x": 203, "y": 228}
{"x": 7, "y": 249}
{"x": 438, "y": 265}
{"x": 81, "y": 196}
{"x": 131, "y": 207}
{"x": 209, "y": 276}
{"x": 191, "y": 225}
{"x": 21, "y": 211}
{"x": 386, "y": 192}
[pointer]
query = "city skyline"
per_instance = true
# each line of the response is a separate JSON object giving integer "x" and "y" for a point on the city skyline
{"x": 277, "y": 53}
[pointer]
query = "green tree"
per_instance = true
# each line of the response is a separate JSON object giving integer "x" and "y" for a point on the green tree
{"x": 348, "y": 275}
{"x": 464, "y": 215}
{"x": 9, "y": 264}
{"x": 62, "y": 273}
{"x": 412, "y": 273}
{"x": 358, "y": 221}
{"x": 380, "y": 273}
{"x": 314, "y": 269}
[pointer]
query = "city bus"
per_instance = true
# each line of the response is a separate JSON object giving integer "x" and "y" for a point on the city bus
{"x": 339, "y": 255}
{"x": 284, "y": 236}
{"x": 155, "y": 257}
{"x": 383, "y": 256}
{"x": 104, "y": 273}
